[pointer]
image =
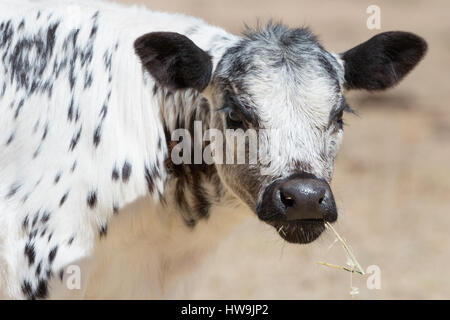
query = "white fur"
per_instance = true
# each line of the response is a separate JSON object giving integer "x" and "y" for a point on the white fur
{"x": 130, "y": 132}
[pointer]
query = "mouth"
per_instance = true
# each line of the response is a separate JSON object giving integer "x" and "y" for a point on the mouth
{"x": 298, "y": 207}
{"x": 299, "y": 231}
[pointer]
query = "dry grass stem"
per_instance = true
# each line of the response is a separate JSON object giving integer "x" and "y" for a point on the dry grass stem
{"x": 349, "y": 252}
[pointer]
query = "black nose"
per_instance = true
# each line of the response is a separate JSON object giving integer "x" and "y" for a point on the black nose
{"x": 306, "y": 199}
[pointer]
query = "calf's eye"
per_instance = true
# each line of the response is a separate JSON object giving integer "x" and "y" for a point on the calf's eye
{"x": 234, "y": 119}
{"x": 340, "y": 120}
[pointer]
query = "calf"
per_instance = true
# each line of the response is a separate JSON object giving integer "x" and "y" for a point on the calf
{"x": 91, "y": 94}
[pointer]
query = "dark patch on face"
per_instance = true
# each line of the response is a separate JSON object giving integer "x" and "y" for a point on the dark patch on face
{"x": 92, "y": 199}
{"x": 126, "y": 171}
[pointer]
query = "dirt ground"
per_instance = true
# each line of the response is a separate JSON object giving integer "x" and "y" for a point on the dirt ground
{"x": 392, "y": 178}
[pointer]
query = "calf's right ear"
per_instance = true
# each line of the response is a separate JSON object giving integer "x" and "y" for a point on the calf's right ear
{"x": 174, "y": 60}
{"x": 382, "y": 61}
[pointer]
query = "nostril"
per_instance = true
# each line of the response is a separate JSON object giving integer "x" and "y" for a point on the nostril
{"x": 321, "y": 200}
{"x": 287, "y": 200}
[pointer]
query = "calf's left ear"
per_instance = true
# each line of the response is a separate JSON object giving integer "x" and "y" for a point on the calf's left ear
{"x": 174, "y": 60}
{"x": 382, "y": 61}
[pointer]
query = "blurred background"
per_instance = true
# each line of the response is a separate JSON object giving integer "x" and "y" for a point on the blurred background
{"x": 392, "y": 176}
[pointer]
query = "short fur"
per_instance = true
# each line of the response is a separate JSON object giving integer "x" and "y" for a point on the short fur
{"x": 90, "y": 93}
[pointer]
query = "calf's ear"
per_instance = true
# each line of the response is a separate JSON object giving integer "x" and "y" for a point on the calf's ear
{"x": 382, "y": 61}
{"x": 174, "y": 60}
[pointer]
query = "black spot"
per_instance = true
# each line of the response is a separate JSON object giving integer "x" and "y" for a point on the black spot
{"x": 115, "y": 208}
{"x": 27, "y": 290}
{"x": 88, "y": 80}
{"x": 57, "y": 177}
{"x": 115, "y": 174}
{"x": 45, "y": 217}
{"x": 10, "y": 139}
{"x": 74, "y": 166}
{"x": 97, "y": 135}
{"x": 63, "y": 199}
{"x": 71, "y": 240}
{"x": 104, "y": 111}
{"x": 44, "y": 135}
{"x": 92, "y": 199}
{"x": 50, "y": 236}
{"x": 70, "y": 111}
{"x": 35, "y": 219}
{"x": 75, "y": 139}
{"x": 25, "y": 223}
{"x": 126, "y": 172}
{"x": 52, "y": 254}
{"x": 13, "y": 190}
{"x": 149, "y": 177}
{"x": 159, "y": 143}
{"x": 41, "y": 289}
{"x": 33, "y": 234}
{"x": 38, "y": 269}
{"x": 103, "y": 231}
{"x": 30, "y": 252}
{"x": 36, "y": 153}
{"x": 61, "y": 274}
{"x": 19, "y": 108}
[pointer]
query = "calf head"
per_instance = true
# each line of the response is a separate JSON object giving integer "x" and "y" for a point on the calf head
{"x": 281, "y": 84}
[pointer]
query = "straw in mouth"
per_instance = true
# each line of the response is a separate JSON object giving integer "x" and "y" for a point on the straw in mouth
{"x": 351, "y": 257}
